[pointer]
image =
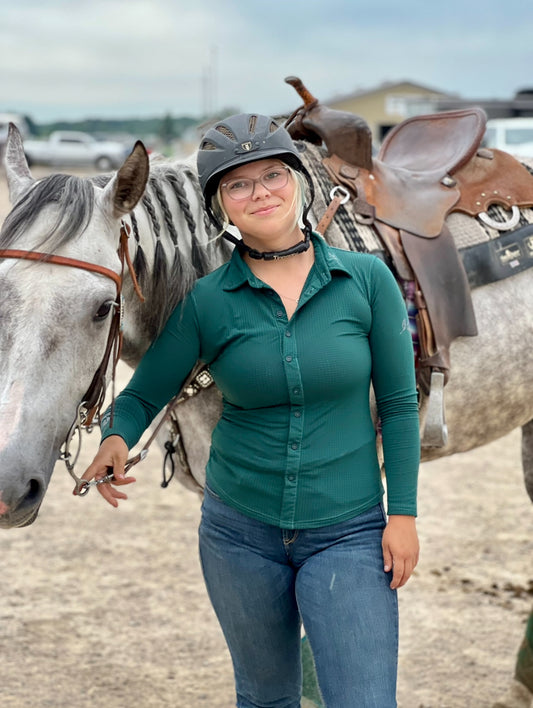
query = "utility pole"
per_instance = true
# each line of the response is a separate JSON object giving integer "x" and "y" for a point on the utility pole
{"x": 210, "y": 83}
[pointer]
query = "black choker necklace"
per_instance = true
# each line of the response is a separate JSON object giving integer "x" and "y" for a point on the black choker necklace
{"x": 300, "y": 247}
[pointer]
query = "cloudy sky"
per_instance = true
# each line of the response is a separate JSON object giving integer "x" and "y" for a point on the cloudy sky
{"x": 135, "y": 58}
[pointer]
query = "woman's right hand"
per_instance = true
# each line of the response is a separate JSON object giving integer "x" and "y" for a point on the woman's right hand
{"x": 112, "y": 455}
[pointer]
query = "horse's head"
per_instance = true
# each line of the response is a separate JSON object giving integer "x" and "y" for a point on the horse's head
{"x": 54, "y": 319}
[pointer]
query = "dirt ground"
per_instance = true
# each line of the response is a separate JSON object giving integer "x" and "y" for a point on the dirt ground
{"x": 106, "y": 608}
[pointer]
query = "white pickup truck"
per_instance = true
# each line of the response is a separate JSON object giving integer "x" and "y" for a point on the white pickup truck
{"x": 69, "y": 147}
{"x": 514, "y": 135}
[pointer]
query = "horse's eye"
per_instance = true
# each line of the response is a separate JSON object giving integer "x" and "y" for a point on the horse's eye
{"x": 104, "y": 310}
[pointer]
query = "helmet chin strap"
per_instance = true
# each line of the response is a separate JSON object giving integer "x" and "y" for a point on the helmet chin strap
{"x": 299, "y": 247}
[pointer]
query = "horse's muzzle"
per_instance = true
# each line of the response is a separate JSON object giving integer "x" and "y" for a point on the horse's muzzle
{"x": 22, "y": 512}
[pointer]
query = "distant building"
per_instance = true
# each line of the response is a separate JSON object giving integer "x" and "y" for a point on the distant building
{"x": 521, "y": 106}
{"x": 392, "y": 102}
{"x": 389, "y": 103}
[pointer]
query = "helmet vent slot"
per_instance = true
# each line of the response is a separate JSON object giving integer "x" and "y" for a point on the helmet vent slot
{"x": 226, "y": 131}
{"x": 273, "y": 127}
{"x": 252, "y": 124}
{"x": 207, "y": 145}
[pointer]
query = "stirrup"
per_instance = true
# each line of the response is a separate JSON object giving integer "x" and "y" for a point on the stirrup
{"x": 435, "y": 429}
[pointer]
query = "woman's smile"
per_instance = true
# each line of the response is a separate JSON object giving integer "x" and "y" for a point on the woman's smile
{"x": 265, "y": 210}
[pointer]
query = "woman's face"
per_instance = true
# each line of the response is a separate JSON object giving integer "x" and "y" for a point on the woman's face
{"x": 267, "y": 213}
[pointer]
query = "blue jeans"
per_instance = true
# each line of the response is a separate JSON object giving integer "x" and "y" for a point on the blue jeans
{"x": 264, "y": 581}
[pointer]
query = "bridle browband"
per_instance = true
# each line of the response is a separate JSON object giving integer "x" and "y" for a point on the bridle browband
{"x": 61, "y": 260}
{"x": 92, "y": 402}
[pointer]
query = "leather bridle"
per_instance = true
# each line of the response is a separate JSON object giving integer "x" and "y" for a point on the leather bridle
{"x": 91, "y": 404}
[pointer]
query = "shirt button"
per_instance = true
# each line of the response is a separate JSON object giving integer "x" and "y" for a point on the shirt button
{"x": 291, "y": 477}
{"x": 279, "y": 313}
{"x": 288, "y": 358}
{"x": 296, "y": 391}
{"x": 297, "y": 414}
{"x": 287, "y": 333}
{"x": 294, "y": 446}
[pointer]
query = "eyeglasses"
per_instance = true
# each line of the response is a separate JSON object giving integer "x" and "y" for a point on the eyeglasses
{"x": 243, "y": 188}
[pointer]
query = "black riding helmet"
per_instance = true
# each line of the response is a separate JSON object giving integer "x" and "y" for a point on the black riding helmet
{"x": 238, "y": 140}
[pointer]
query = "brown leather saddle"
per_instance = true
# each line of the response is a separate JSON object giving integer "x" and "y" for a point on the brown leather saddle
{"x": 427, "y": 167}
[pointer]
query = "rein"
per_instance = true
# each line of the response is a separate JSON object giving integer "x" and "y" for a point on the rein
{"x": 92, "y": 401}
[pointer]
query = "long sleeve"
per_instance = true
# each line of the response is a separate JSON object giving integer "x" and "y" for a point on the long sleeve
{"x": 393, "y": 378}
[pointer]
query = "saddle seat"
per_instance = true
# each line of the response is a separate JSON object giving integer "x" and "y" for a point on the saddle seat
{"x": 439, "y": 143}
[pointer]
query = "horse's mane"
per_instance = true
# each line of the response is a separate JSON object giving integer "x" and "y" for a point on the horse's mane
{"x": 73, "y": 199}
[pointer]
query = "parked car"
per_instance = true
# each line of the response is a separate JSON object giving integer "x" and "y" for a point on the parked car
{"x": 69, "y": 147}
{"x": 513, "y": 135}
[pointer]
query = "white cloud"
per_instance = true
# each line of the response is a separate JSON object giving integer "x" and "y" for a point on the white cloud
{"x": 144, "y": 57}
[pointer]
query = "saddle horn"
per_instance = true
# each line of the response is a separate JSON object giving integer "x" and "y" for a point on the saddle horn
{"x": 344, "y": 134}
{"x": 306, "y": 96}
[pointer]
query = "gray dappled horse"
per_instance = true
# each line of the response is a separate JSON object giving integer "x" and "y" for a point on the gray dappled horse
{"x": 54, "y": 319}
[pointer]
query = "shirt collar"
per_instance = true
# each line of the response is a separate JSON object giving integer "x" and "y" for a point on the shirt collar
{"x": 326, "y": 263}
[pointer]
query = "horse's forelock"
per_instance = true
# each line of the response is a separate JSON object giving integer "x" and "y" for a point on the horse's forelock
{"x": 71, "y": 197}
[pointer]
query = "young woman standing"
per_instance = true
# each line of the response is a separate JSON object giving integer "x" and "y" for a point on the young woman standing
{"x": 293, "y": 524}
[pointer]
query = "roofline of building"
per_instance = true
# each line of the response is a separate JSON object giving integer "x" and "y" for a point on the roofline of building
{"x": 520, "y": 103}
{"x": 384, "y": 86}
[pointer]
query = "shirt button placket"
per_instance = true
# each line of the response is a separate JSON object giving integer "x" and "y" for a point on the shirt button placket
{"x": 295, "y": 422}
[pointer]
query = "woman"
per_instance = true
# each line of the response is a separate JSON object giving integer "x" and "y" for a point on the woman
{"x": 293, "y": 527}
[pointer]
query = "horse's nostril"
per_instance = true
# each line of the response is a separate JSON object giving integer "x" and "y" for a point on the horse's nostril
{"x": 34, "y": 494}
{"x": 17, "y": 511}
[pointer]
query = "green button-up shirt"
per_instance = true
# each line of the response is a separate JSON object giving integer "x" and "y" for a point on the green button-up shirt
{"x": 295, "y": 445}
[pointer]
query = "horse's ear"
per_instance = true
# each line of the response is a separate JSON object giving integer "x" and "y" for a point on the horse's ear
{"x": 17, "y": 171}
{"x": 126, "y": 188}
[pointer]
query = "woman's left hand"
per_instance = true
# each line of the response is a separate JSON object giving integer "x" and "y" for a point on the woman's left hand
{"x": 400, "y": 548}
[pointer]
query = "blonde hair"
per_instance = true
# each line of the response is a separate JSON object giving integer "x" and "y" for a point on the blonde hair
{"x": 299, "y": 200}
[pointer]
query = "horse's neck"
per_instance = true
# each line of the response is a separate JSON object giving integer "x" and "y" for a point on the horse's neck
{"x": 171, "y": 245}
